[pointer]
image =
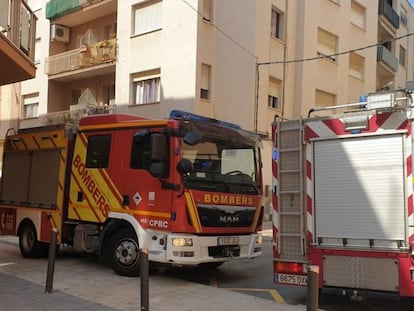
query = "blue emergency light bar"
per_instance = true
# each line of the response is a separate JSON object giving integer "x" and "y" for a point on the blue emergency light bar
{"x": 183, "y": 115}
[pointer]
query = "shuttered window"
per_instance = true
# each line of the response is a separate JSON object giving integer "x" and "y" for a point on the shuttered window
{"x": 274, "y": 93}
{"x": 358, "y": 14}
{"x": 208, "y": 10}
{"x": 30, "y": 105}
{"x": 356, "y": 66}
{"x": 205, "y": 92}
{"x": 327, "y": 44}
{"x": 403, "y": 56}
{"x": 147, "y": 17}
{"x": 324, "y": 99}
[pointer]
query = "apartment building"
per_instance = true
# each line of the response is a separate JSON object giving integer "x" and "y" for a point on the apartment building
{"x": 243, "y": 61}
{"x": 17, "y": 41}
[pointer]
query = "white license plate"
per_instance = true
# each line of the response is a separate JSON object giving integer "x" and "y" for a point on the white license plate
{"x": 291, "y": 279}
{"x": 228, "y": 240}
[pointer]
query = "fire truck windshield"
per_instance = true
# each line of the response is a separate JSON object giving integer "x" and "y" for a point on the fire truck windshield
{"x": 221, "y": 166}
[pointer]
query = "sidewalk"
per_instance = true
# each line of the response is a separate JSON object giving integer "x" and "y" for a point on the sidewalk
{"x": 80, "y": 283}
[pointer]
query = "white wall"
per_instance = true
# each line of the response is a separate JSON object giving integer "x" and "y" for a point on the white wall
{"x": 172, "y": 50}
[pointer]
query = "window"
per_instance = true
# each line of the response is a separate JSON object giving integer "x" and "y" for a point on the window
{"x": 324, "y": 99}
{"x": 97, "y": 155}
{"x": 358, "y": 14}
{"x": 327, "y": 44}
{"x": 273, "y": 102}
{"x": 140, "y": 151}
{"x": 37, "y": 51}
{"x": 277, "y": 24}
{"x": 141, "y": 157}
{"x": 356, "y": 66}
{"x": 404, "y": 19}
{"x": 4, "y": 16}
{"x": 403, "y": 55}
{"x": 147, "y": 17}
{"x": 146, "y": 87}
{"x": 208, "y": 10}
{"x": 109, "y": 94}
{"x": 30, "y": 105}
{"x": 274, "y": 91}
{"x": 205, "y": 92}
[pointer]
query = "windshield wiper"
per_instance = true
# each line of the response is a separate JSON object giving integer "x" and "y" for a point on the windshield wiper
{"x": 246, "y": 188}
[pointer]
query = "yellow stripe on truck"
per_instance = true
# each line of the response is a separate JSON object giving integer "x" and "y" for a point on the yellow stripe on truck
{"x": 192, "y": 209}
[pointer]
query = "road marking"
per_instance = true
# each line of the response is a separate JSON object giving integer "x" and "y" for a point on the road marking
{"x": 274, "y": 293}
{"x": 276, "y": 296}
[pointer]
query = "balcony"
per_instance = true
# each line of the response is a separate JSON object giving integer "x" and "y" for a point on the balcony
{"x": 76, "y": 12}
{"x": 17, "y": 41}
{"x": 100, "y": 54}
{"x": 386, "y": 10}
{"x": 386, "y": 57}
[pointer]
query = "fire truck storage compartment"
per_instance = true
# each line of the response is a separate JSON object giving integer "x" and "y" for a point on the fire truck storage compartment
{"x": 359, "y": 194}
{"x": 361, "y": 272}
{"x": 30, "y": 176}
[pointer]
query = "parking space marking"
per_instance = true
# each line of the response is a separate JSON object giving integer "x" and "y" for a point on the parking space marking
{"x": 274, "y": 293}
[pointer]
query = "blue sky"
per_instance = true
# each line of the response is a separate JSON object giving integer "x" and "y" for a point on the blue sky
{"x": 411, "y": 1}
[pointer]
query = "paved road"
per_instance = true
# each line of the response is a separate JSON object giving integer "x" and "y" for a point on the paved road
{"x": 84, "y": 284}
{"x": 254, "y": 277}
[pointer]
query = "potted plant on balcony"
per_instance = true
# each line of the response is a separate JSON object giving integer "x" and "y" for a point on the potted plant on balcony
{"x": 105, "y": 48}
{"x": 84, "y": 49}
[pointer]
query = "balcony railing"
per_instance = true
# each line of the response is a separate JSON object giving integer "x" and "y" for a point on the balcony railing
{"x": 74, "y": 114}
{"x": 18, "y": 24}
{"x": 57, "y": 8}
{"x": 100, "y": 53}
{"x": 385, "y": 9}
{"x": 384, "y": 55}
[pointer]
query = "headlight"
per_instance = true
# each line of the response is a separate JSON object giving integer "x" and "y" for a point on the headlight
{"x": 182, "y": 242}
{"x": 259, "y": 239}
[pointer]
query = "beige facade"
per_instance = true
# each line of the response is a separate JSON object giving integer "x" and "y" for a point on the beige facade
{"x": 243, "y": 61}
{"x": 17, "y": 46}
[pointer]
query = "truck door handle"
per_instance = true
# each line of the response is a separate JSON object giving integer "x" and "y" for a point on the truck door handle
{"x": 80, "y": 196}
{"x": 126, "y": 200}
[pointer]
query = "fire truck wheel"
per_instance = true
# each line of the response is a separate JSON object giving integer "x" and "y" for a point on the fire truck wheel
{"x": 30, "y": 247}
{"x": 125, "y": 253}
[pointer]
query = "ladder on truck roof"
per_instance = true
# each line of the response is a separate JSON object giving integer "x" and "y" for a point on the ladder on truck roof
{"x": 292, "y": 233}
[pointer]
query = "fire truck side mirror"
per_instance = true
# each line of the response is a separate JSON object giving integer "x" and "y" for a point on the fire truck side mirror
{"x": 184, "y": 167}
{"x": 158, "y": 147}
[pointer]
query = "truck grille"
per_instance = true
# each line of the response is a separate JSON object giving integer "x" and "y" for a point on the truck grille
{"x": 226, "y": 216}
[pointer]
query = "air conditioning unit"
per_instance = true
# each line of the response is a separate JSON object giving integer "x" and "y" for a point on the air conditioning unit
{"x": 59, "y": 33}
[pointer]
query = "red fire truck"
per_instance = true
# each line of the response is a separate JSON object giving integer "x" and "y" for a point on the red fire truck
{"x": 187, "y": 188}
{"x": 343, "y": 196}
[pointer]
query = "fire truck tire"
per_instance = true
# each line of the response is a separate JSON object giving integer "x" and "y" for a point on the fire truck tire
{"x": 125, "y": 252}
{"x": 30, "y": 246}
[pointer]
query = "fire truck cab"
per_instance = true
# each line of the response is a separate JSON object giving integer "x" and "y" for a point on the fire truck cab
{"x": 187, "y": 188}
